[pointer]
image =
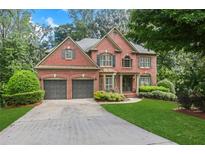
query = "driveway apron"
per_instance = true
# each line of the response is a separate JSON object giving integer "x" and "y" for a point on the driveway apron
{"x": 77, "y": 121}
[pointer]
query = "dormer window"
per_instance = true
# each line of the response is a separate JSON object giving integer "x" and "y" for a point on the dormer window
{"x": 68, "y": 54}
{"x": 127, "y": 62}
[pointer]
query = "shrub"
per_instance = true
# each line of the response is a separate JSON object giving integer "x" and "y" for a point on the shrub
{"x": 152, "y": 88}
{"x": 21, "y": 82}
{"x": 159, "y": 95}
{"x": 108, "y": 96}
{"x": 167, "y": 84}
{"x": 24, "y": 98}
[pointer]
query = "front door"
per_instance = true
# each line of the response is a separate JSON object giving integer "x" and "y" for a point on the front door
{"x": 127, "y": 83}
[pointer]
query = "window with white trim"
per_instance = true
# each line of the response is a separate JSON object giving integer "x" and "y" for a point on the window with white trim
{"x": 127, "y": 62}
{"x": 145, "y": 80}
{"x": 108, "y": 83}
{"x": 106, "y": 60}
{"x": 145, "y": 62}
{"x": 68, "y": 54}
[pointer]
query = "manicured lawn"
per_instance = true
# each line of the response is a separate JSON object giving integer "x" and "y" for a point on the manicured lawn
{"x": 158, "y": 117}
{"x": 9, "y": 115}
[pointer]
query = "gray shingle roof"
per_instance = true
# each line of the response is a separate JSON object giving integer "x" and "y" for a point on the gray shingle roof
{"x": 87, "y": 43}
{"x": 141, "y": 49}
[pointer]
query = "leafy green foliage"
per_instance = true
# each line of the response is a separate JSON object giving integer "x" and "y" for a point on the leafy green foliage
{"x": 108, "y": 96}
{"x": 21, "y": 82}
{"x": 159, "y": 95}
{"x": 24, "y": 98}
{"x": 167, "y": 30}
{"x": 153, "y": 88}
{"x": 159, "y": 117}
{"x": 167, "y": 84}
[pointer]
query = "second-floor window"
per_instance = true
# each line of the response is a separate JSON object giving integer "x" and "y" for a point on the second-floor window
{"x": 106, "y": 60}
{"x": 145, "y": 62}
{"x": 127, "y": 62}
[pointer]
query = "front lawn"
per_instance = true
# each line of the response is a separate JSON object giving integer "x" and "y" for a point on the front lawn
{"x": 9, "y": 115}
{"x": 158, "y": 117}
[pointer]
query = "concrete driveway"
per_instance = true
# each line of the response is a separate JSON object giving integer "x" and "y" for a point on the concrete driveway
{"x": 79, "y": 121}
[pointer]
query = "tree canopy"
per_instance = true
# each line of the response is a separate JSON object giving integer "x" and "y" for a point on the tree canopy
{"x": 167, "y": 30}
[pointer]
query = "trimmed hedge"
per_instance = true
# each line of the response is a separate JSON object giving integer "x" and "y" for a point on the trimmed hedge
{"x": 108, "y": 96}
{"x": 21, "y": 82}
{"x": 152, "y": 88}
{"x": 24, "y": 98}
{"x": 159, "y": 95}
{"x": 167, "y": 84}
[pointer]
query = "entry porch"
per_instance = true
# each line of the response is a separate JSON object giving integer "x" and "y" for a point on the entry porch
{"x": 121, "y": 82}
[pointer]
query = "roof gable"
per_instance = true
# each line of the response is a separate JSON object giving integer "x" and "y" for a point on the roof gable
{"x": 54, "y": 58}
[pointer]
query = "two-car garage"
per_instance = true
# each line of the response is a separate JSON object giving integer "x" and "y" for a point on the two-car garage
{"x": 57, "y": 89}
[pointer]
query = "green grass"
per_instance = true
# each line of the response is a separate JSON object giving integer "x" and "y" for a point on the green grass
{"x": 9, "y": 115}
{"x": 158, "y": 117}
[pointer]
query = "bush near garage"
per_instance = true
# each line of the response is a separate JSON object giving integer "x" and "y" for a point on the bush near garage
{"x": 23, "y": 88}
{"x": 24, "y": 98}
{"x": 167, "y": 84}
{"x": 108, "y": 96}
{"x": 153, "y": 88}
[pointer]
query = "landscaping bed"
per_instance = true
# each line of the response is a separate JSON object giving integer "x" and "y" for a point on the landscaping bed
{"x": 193, "y": 112}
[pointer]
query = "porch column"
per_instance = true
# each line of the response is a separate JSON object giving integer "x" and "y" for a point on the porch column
{"x": 137, "y": 83}
{"x": 104, "y": 81}
{"x": 113, "y": 81}
{"x": 121, "y": 83}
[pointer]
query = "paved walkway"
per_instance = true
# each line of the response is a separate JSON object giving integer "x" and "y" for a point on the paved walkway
{"x": 75, "y": 122}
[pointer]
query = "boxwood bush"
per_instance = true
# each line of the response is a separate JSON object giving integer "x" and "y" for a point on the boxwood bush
{"x": 108, "y": 96}
{"x": 167, "y": 84}
{"x": 21, "y": 82}
{"x": 159, "y": 95}
{"x": 23, "y": 88}
{"x": 24, "y": 98}
{"x": 152, "y": 88}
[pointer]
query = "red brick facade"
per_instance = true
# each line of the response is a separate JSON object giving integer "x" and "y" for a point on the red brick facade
{"x": 84, "y": 67}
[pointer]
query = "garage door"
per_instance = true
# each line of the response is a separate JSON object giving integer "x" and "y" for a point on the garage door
{"x": 82, "y": 88}
{"x": 55, "y": 89}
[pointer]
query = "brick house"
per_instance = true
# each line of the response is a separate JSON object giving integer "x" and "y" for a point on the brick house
{"x": 77, "y": 69}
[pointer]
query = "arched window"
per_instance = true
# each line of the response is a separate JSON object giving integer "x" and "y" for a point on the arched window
{"x": 127, "y": 62}
{"x": 106, "y": 59}
{"x": 145, "y": 80}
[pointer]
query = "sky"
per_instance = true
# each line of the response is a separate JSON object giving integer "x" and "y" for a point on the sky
{"x": 50, "y": 17}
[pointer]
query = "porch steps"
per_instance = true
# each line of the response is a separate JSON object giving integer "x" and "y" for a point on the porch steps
{"x": 130, "y": 95}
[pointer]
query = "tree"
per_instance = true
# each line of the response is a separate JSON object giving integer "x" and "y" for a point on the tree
{"x": 92, "y": 23}
{"x": 166, "y": 30}
{"x": 178, "y": 38}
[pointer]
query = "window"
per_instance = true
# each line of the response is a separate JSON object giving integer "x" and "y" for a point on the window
{"x": 145, "y": 62}
{"x": 106, "y": 60}
{"x": 126, "y": 62}
{"x": 108, "y": 83}
{"x": 68, "y": 54}
{"x": 145, "y": 80}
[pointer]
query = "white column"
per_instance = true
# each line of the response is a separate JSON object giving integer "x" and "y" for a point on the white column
{"x": 121, "y": 78}
{"x": 104, "y": 81}
{"x": 137, "y": 84}
{"x": 113, "y": 81}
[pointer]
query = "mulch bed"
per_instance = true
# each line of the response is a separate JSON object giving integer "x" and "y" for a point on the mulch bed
{"x": 193, "y": 112}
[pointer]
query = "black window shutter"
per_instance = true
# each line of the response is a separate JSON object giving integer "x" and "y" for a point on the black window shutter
{"x": 98, "y": 60}
{"x": 73, "y": 54}
{"x": 113, "y": 61}
{"x": 63, "y": 54}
